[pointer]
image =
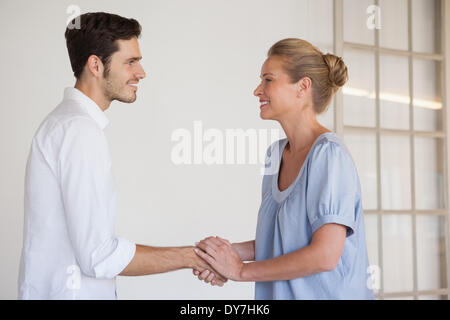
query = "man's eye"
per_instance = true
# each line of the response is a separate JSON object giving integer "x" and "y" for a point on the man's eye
{"x": 268, "y": 80}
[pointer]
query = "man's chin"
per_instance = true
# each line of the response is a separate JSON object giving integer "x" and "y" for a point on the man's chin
{"x": 129, "y": 99}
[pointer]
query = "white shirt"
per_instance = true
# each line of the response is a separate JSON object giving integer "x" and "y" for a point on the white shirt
{"x": 69, "y": 249}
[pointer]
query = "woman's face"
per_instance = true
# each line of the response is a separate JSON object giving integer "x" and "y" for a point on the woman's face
{"x": 277, "y": 95}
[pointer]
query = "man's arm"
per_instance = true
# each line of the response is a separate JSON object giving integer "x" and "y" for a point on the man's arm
{"x": 151, "y": 260}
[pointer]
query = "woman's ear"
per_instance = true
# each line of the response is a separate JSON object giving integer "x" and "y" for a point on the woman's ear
{"x": 303, "y": 86}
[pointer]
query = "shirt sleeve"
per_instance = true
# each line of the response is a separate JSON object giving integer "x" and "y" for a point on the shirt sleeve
{"x": 87, "y": 191}
{"x": 332, "y": 187}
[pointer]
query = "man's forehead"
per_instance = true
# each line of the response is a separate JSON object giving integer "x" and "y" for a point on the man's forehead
{"x": 129, "y": 47}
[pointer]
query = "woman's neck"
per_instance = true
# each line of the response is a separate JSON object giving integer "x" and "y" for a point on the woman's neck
{"x": 301, "y": 131}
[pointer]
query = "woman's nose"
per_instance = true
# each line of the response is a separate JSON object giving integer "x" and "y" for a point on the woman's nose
{"x": 257, "y": 91}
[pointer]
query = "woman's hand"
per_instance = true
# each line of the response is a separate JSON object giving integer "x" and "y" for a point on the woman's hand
{"x": 200, "y": 266}
{"x": 221, "y": 256}
{"x": 210, "y": 277}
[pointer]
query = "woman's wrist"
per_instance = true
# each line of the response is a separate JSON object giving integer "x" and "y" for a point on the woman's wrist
{"x": 237, "y": 246}
{"x": 244, "y": 273}
{"x": 245, "y": 250}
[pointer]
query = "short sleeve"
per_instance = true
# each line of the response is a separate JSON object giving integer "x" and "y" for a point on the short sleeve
{"x": 332, "y": 188}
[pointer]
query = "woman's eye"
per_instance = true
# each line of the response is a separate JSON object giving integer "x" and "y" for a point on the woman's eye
{"x": 268, "y": 80}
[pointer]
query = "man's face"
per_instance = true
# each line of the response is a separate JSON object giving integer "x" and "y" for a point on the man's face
{"x": 124, "y": 73}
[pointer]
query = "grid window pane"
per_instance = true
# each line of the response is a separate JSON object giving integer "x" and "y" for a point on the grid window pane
{"x": 321, "y": 35}
{"x": 359, "y": 109}
{"x": 395, "y": 172}
{"x": 355, "y": 22}
{"x": 427, "y": 97}
{"x": 432, "y": 297}
{"x": 430, "y": 252}
{"x": 394, "y": 92}
{"x": 359, "y": 91}
{"x": 394, "y": 27}
{"x": 429, "y": 173}
{"x": 363, "y": 150}
{"x": 397, "y": 253}
{"x": 327, "y": 118}
{"x": 425, "y": 25}
{"x": 371, "y": 227}
{"x": 400, "y": 298}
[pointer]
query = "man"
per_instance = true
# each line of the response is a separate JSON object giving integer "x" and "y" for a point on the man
{"x": 70, "y": 250}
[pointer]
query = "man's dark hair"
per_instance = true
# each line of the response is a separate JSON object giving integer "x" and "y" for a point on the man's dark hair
{"x": 97, "y": 35}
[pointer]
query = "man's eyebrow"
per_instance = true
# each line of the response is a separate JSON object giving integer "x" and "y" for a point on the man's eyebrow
{"x": 134, "y": 58}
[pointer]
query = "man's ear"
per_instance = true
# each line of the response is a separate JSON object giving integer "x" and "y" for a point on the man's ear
{"x": 303, "y": 85}
{"x": 95, "y": 65}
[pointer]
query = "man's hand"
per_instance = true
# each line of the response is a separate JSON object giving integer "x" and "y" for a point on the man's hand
{"x": 220, "y": 254}
{"x": 206, "y": 272}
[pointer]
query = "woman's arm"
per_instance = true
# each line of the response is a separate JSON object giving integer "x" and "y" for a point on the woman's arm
{"x": 321, "y": 255}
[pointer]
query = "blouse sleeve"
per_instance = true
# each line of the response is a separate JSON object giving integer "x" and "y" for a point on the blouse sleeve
{"x": 332, "y": 190}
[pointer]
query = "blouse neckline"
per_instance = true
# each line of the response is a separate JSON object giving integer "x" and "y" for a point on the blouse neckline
{"x": 278, "y": 195}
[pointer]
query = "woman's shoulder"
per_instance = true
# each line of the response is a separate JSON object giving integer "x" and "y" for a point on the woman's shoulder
{"x": 330, "y": 147}
{"x": 329, "y": 140}
{"x": 328, "y": 137}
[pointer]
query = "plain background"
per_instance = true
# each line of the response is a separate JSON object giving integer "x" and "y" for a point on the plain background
{"x": 202, "y": 60}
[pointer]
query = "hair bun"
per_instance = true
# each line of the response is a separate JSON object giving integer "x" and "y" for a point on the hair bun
{"x": 338, "y": 70}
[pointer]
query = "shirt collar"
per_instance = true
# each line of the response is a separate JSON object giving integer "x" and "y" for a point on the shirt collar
{"x": 89, "y": 105}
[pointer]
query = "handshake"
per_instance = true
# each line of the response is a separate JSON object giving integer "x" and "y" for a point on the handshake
{"x": 218, "y": 260}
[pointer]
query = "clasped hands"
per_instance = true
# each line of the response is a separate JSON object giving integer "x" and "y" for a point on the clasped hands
{"x": 223, "y": 259}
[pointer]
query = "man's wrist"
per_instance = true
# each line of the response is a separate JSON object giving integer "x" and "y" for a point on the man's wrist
{"x": 188, "y": 255}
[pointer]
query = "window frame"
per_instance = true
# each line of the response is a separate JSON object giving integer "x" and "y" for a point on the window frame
{"x": 444, "y": 58}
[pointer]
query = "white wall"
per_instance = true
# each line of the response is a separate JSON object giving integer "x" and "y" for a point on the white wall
{"x": 203, "y": 60}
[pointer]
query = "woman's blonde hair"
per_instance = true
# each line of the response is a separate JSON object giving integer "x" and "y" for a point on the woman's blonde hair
{"x": 327, "y": 72}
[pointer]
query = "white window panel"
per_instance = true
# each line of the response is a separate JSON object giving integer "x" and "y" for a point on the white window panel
{"x": 363, "y": 150}
{"x": 427, "y": 95}
{"x": 397, "y": 253}
{"x": 355, "y": 22}
{"x": 394, "y": 24}
{"x": 395, "y": 173}
{"x": 429, "y": 173}
{"x": 359, "y": 91}
{"x": 430, "y": 235}
{"x": 371, "y": 224}
{"x": 394, "y": 92}
{"x": 425, "y": 28}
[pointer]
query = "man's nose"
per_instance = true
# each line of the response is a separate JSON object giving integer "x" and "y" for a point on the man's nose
{"x": 141, "y": 73}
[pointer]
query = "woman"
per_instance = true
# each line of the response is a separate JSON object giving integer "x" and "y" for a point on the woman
{"x": 310, "y": 239}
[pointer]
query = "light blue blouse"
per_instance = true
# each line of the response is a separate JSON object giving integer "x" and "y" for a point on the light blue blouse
{"x": 326, "y": 190}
